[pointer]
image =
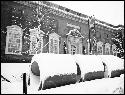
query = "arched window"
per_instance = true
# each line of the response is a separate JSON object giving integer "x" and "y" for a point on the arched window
{"x": 114, "y": 51}
{"x": 14, "y": 40}
{"x": 99, "y": 48}
{"x": 74, "y": 42}
{"x": 36, "y": 38}
{"x": 107, "y": 49}
{"x": 54, "y": 43}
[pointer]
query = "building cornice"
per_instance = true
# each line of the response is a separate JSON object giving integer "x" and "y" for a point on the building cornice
{"x": 55, "y": 9}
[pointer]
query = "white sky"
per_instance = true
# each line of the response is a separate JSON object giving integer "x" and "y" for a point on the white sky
{"x": 109, "y": 11}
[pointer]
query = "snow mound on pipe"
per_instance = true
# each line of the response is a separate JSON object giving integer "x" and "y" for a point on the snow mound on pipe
{"x": 54, "y": 64}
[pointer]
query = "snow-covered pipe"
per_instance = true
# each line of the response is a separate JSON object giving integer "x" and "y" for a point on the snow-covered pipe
{"x": 53, "y": 64}
{"x": 88, "y": 63}
{"x": 113, "y": 63}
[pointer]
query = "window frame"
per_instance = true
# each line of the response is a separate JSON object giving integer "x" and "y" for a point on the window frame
{"x": 53, "y": 37}
{"x": 100, "y": 44}
{"x": 11, "y": 32}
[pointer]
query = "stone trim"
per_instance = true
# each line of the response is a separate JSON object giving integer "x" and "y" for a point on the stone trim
{"x": 54, "y": 42}
{"x": 36, "y": 38}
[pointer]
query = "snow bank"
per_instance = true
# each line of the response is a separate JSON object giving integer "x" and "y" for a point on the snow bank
{"x": 34, "y": 83}
{"x": 89, "y": 63}
{"x": 11, "y": 88}
{"x": 54, "y": 64}
{"x": 14, "y": 71}
{"x": 98, "y": 86}
{"x": 113, "y": 63}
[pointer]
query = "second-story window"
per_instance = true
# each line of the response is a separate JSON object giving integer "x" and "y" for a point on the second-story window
{"x": 14, "y": 40}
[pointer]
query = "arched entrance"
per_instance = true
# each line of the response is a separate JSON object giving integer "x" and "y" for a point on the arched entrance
{"x": 73, "y": 49}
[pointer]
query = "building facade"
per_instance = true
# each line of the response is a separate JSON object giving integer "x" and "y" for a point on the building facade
{"x": 33, "y": 27}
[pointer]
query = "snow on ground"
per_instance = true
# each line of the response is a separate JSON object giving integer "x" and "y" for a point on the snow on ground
{"x": 113, "y": 62}
{"x": 98, "y": 86}
{"x": 34, "y": 82}
{"x": 11, "y": 88}
{"x": 13, "y": 72}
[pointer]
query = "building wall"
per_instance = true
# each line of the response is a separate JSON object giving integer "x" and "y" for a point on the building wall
{"x": 104, "y": 38}
{"x": 61, "y": 29}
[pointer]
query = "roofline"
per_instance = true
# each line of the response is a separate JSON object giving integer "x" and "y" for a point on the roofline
{"x": 71, "y": 12}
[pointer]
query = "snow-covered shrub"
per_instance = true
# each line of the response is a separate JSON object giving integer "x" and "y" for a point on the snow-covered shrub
{"x": 94, "y": 75}
{"x": 116, "y": 73}
{"x": 98, "y": 86}
{"x": 35, "y": 68}
{"x": 115, "y": 65}
{"x": 59, "y": 80}
{"x": 91, "y": 66}
{"x": 51, "y": 66}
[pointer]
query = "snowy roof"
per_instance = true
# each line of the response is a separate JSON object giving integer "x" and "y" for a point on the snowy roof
{"x": 75, "y": 14}
{"x": 106, "y": 25}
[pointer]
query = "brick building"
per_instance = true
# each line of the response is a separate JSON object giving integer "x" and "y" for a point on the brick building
{"x": 32, "y": 27}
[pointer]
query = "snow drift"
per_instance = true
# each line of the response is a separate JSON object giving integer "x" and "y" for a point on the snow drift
{"x": 113, "y": 63}
{"x": 54, "y": 64}
{"x": 98, "y": 86}
{"x": 11, "y": 88}
{"x": 13, "y": 71}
